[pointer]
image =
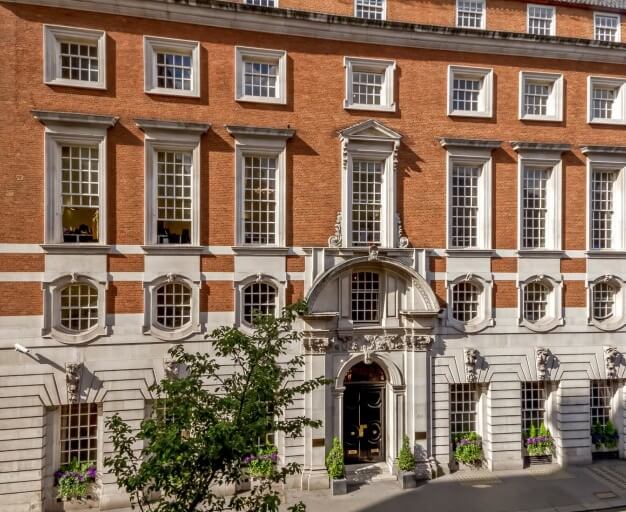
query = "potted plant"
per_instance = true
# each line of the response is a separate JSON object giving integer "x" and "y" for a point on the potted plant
{"x": 336, "y": 468}
{"x": 604, "y": 437}
{"x": 263, "y": 464}
{"x": 75, "y": 484}
{"x": 406, "y": 465}
{"x": 468, "y": 450}
{"x": 539, "y": 444}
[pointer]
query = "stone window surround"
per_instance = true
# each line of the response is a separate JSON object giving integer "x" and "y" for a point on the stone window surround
{"x": 609, "y": 158}
{"x": 556, "y": 95}
{"x": 533, "y": 154}
{"x": 253, "y": 141}
{"x": 618, "y": 35}
{"x": 170, "y": 136}
{"x": 152, "y": 327}
{"x": 241, "y": 285}
{"x": 486, "y": 93}
{"x": 552, "y": 25}
{"x": 554, "y": 308}
{"x": 484, "y": 318}
{"x": 483, "y": 18}
{"x": 52, "y": 309}
{"x": 52, "y": 35}
{"x": 384, "y": 13}
{"x": 618, "y": 319}
{"x": 152, "y": 45}
{"x": 620, "y": 101}
{"x": 472, "y": 152}
{"x": 65, "y": 128}
{"x": 279, "y": 57}
{"x": 383, "y": 66}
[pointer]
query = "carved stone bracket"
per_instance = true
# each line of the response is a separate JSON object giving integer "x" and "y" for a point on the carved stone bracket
{"x": 611, "y": 359}
{"x": 418, "y": 343}
{"x": 471, "y": 359}
{"x": 541, "y": 359}
{"x": 373, "y": 254}
{"x": 337, "y": 239}
{"x": 172, "y": 368}
{"x": 403, "y": 241}
{"x": 72, "y": 380}
{"x": 316, "y": 345}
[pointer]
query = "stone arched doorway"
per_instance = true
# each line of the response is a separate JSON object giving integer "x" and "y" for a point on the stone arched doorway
{"x": 364, "y": 421}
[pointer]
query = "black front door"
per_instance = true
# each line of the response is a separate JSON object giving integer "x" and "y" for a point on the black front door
{"x": 363, "y": 435}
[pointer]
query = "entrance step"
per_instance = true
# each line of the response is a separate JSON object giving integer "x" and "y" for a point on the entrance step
{"x": 369, "y": 472}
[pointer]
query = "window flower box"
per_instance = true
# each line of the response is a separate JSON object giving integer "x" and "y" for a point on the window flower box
{"x": 468, "y": 451}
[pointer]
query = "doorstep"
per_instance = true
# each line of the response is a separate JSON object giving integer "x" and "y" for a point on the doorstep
{"x": 369, "y": 472}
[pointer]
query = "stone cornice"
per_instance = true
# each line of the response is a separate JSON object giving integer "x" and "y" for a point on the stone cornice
{"x": 147, "y": 125}
{"x": 252, "y": 131}
{"x": 447, "y": 142}
{"x": 540, "y": 147}
{"x": 46, "y": 117}
{"x": 588, "y": 149}
{"x": 297, "y": 23}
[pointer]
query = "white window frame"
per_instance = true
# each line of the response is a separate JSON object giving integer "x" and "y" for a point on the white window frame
{"x": 619, "y": 105}
{"x": 541, "y": 6}
{"x": 52, "y": 309}
{"x": 483, "y": 17}
{"x": 534, "y": 156}
{"x": 485, "y": 98}
{"x": 554, "y": 307}
{"x": 53, "y": 35}
{"x": 152, "y": 327}
{"x": 261, "y": 142}
{"x": 618, "y": 33}
{"x": 72, "y": 129}
{"x": 555, "y": 100}
{"x": 240, "y": 286}
{"x": 170, "y": 136}
{"x": 616, "y": 321}
{"x": 151, "y": 46}
{"x": 484, "y": 318}
{"x": 385, "y": 67}
{"x": 251, "y": 2}
{"x": 371, "y": 140}
{"x": 383, "y": 15}
{"x": 464, "y": 152}
{"x": 278, "y": 57}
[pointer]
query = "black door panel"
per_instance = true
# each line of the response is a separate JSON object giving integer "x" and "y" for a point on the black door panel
{"x": 363, "y": 435}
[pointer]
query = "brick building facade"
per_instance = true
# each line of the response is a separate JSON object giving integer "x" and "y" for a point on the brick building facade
{"x": 170, "y": 167}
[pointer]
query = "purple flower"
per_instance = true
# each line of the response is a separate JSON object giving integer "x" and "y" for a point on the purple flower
{"x": 58, "y": 474}
{"x": 91, "y": 472}
{"x": 274, "y": 457}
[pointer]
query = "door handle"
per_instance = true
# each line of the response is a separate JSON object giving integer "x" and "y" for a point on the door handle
{"x": 362, "y": 430}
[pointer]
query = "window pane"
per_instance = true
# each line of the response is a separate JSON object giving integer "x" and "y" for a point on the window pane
{"x": 263, "y": 3}
{"x": 463, "y": 401}
{"x": 259, "y": 299}
{"x": 173, "y": 307}
{"x": 260, "y": 200}
{"x": 174, "y": 196}
{"x": 602, "y": 184}
{"x": 536, "y": 96}
{"x": 603, "y": 298}
{"x": 367, "y": 176}
{"x": 260, "y": 79}
{"x": 603, "y": 102}
{"x": 534, "y": 207}
{"x": 370, "y": 9}
{"x": 79, "y": 61}
{"x": 80, "y": 442}
{"x": 606, "y": 27}
{"x": 365, "y": 296}
{"x": 533, "y": 405}
{"x": 465, "y": 301}
{"x": 535, "y": 301}
{"x": 465, "y": 93}
{"x": 367, "y": 88}
{"x": 469, "y": 13}
{"x": 540, "y": 20}
{"x": 601, "y": 392}
{"x": 174, "y": 71}
{"x": 464, "y": 205}
{"x": 79, "y": 307}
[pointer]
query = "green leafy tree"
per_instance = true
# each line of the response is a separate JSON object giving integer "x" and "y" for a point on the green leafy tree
{"x": 334, "y": 460}
{"x": 211, "y": 420}
{"x": 406, "y": 460}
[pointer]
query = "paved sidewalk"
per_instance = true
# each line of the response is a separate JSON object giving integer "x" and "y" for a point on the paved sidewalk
{"x": 600, "y": 486}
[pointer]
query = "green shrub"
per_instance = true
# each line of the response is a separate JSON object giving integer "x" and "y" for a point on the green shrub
{"x": 539, "y": 441}
{"x": 469, "y": 449}
{"x": 262, "y": 464}
{"x": 610, "y": 436}
{"x": 334, "y": 460}
{"x": 74, "y": 480}
{"x": 406, "y": 460}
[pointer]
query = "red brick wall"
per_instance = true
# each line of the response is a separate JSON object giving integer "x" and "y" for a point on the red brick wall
{"x": 295, "y": 291}
{"x": 217, "y": 296}
{"x": 574, "y": 294}
{"x": 22, "y": 262}
{"x": 125, "y": 297}
{"x": 211, "y": 263}
{"x": 125, "y": 263}
{"x": 504, "y": 264}
{"x": 20, "y": 299}
{"x": 504, "y": 294}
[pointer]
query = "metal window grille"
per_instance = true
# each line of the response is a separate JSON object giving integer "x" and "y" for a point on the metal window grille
{"x": 601, "y": 392}
{"x": 603, "y": 300}
{"x": 603, "y": 101}
{"x": 367, "y": 177}
{"x": 602, "y": 184}
{"x": 465, "y": 94}
{"x": 606, "y": 27}
{"x": 463, "y": 404}
{"x": 534, "y": 207}
{"x": 540, "y": 20}
{"x": 365, "y": 296}
{"x": 262, "y": 3}
{"x": 79, "y": 307}
{"x": 465, "y": 297}
{"x": 533, "y": 405}
{"x": 173, "y": 308}
{"x": 370, "y": 9}
{"x": 79, "y": 61}
{"x": 174, "y": 71}
{"x": 469, "y": 13}
{"x": 79, "y": 176}
{"x": 260, "y": 79}
{"x": 260, "y": 200}
{"x": 79, "y": 433}
{"x": 259, "y": 299}
{"x": 535, "y": 301}
{"x": 464, "y": 222}
{"x": 174, "y": 188}
{"x": 536, "y": 96}
{"x": 367, "y": 88}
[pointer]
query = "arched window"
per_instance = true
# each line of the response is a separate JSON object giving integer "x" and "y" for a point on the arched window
{"x": 465, "y": 301}
{"x": 535, "y": 301}
{"x": 173, "y": 305}
{"x": 79, "y": 307}
{"x": 362, "y": 372}
{"x": 603, "y": 299}
{"x": 259, "y": 299}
